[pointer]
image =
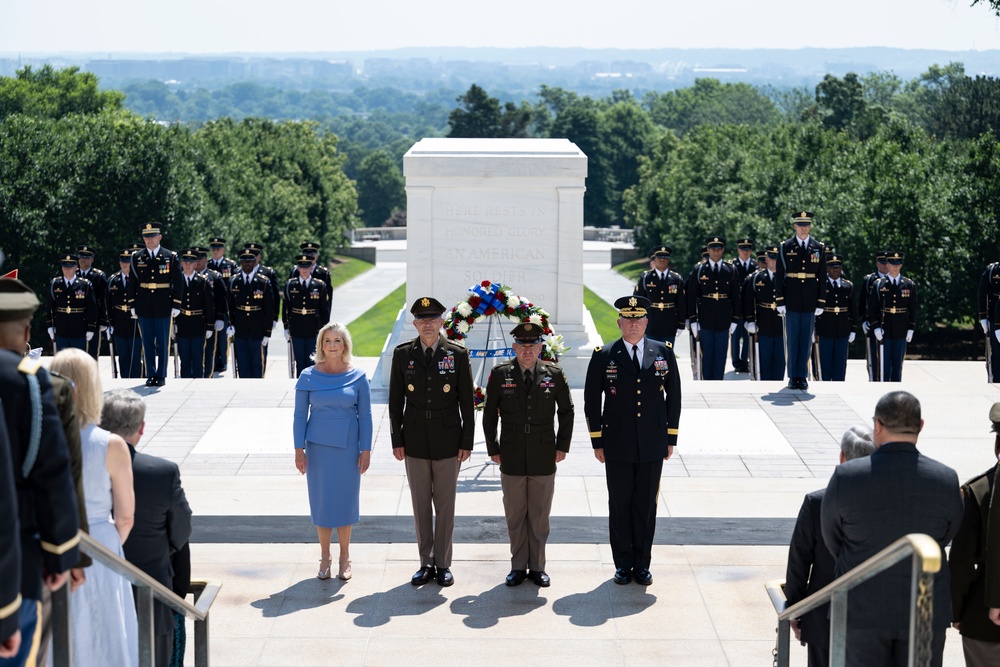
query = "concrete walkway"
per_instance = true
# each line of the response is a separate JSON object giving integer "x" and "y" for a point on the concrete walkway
{"x": 747, "y": 453}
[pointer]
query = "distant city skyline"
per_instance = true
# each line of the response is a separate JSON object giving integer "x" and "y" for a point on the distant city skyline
{"x": 112, "y": 27}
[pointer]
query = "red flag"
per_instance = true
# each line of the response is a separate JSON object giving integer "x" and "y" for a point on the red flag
{"x": 11, "y": 274}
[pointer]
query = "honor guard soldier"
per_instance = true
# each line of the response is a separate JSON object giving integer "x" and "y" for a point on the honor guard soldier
{"x": 99, "y": 282}
{"x": 194, "y": 316}
{"x": 47, "y": 508}
{"x": 867, "y": 287}
{"x": 272, "y": 279}
{"x": 251, "y": 312}
{"x": 221, "y": 298}
{"x": 762, "y": 320}
{"x": 800, "y": 288}
{"x": 632, "y": 402}
{"x": 156, "y": 270}
{"x": 526, "y": 396}
{"x": 73, "y": 318}
{"x": 10, "y": 556}
{"x": 317, "y": 270}
{"x": 989, "y": 297}
{"x": 306, "y": 310}
{"x": 835, "y": 327}
{"x": 713, "y": 307}
{"x": 665, "y": 290}
{"x": 892, "y": 309}
{"x": 226, "y": 268}
{"x": 431, "y": 419}
{"x": 739, "y": 342}
{"x": 123, "y": 329}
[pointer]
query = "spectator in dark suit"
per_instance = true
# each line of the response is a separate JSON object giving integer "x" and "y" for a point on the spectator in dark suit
{"x": 810, "y": 564}
{"x": 974, "y": 563}
{"x": 162, "y": 515}
{"x": 872, "y": 502}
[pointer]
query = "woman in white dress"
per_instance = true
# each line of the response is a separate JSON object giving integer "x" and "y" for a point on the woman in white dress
{"x": 102, "y": 609}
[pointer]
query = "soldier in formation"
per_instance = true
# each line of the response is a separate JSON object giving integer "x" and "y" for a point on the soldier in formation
{"x": 800, "y": 292}
{"x": 306, "y": 309}
{"x": 763, "y": 323}
{"x": 99, "y": 282}
{"x": 713, "y": 308}
{"x": 739, "y": 341}
{"x": 665, "y": 290}
{"x": 892, "y": 311}
{"x": 72, "y": 318}
{"x": 194, "y": 316}
{"x": 835, "y": 327}
{"x": 252, "y": 311}
{"x": 123, "y": 327}
{"x": 156, "y": 271}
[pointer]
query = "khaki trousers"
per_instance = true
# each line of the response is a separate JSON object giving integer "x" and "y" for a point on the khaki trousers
{"x": 432, "y": 492}
{"x": 527, "y": 502}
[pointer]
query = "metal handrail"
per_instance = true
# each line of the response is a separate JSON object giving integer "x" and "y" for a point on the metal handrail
{"x": 147, "y": 589}
{"x": 926, "y": 555}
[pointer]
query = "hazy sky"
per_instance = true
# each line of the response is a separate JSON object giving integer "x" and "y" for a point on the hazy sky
{"x": 219, "y": 26}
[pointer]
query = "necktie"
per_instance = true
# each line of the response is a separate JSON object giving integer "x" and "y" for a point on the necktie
{"x": 527, "y": 379}
{"x": 715, "y": 270}
{"x": 635, "y": 357}
{"x": 429, "y": 356}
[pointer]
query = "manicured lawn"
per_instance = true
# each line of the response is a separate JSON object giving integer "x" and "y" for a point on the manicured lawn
{"x": 343, "y": 269}
{"x": 370, "y": 330}
{"x": 605, "y": 316}
{"x": 633, "y": 269}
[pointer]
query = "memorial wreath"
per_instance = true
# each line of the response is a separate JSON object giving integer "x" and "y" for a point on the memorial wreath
{"x": 487, "y": 299}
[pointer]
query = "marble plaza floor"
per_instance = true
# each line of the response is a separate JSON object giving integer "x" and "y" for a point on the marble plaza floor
{"x": 747, "y": 453}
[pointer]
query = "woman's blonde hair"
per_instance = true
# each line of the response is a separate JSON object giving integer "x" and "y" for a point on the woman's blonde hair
{"x": 79, "y": 367}
{"x": 319, "y": 357}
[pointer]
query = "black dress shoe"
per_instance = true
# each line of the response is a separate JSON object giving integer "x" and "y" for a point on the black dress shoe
{"x": 422, "y": 576}
{"x": 623, "y": 576}
{"x": 516, "y": 577}
{"x": 540, "y": 578}
{"x": 803, "y": 384}
{"x": 444, "y": 577}
{"x": 643, "y": 577}
{"x": 793, "y": 383}
{"x": 150, "y": 382}
{"x": 161, "y": 382}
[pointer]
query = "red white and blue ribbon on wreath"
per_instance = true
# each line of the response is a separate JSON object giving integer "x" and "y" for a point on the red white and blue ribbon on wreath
{"x": 489, "y": 298}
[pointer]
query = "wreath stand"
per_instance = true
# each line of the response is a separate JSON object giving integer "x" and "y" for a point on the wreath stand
{"x": 496, "y": 347}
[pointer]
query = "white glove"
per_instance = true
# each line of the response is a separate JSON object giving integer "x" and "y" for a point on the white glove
{"x": 219, "y": 324}
{"x": 781, "y": 310}
{"x": 288, "y": 336}
{"x": 694, "y": 329}
{"x": 687, "y": 324}
{"x": 134, "y": 316}
{"x": 732, "y": 328}
{"x": 864, "y": 327}
{"x": 230, "y": 331}
{"x": 274, "y": 324}
{"x": 52, "y": 333}
{"x": 997, "y": 334}
{"x": 909, "y": 335}
{"x": 265, "y": 340}
{"x": 818, "y": 312}
{"x": 850, "y": 339}
{"x": 175, "y": 329}
{"x": 878, "y": 334}
{"x": 751, "y": 327}
{"x": 208, "y": 334}
{"x": 110, "y": 331}
{"x": 90, "y": 336}
{"x": 174, "y": 312}
{"x": 104, "y": 328}
{"x": 986, "y": 326}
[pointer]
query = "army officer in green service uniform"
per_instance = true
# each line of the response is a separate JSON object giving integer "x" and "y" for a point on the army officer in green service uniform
{"x": 525, "y": 395}
{"x": 431, "y": 418}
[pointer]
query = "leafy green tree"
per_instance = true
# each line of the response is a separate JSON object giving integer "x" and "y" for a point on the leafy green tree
{"x": 381, "y": 189}
{"x": 709, "y": 101}
{"x": 843, "y": 100}
{"x": 477, "y": 116}
{"x": 581, "y": 123}
{"x": 52, "y": 93}
{"x": 626, "y": 132}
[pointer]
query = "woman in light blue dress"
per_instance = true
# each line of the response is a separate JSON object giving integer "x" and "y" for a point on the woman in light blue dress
{"x": 102, "y": 610}
{"x": 333, "y": 441}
